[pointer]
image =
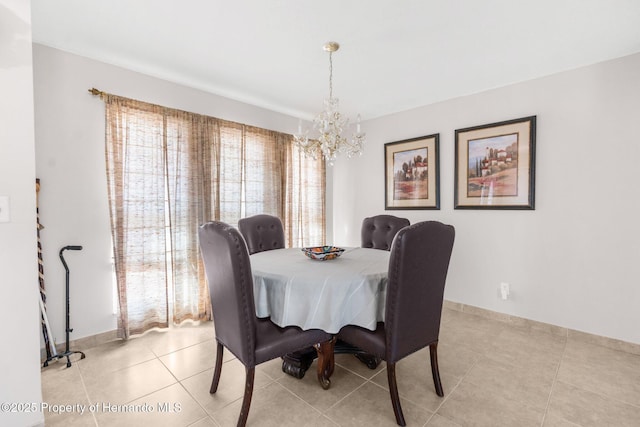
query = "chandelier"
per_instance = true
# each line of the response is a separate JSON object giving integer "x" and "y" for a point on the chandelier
{"x": 330, "y": 125}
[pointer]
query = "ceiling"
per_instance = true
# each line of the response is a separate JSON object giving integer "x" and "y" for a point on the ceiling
{"x": 395, "y": 54}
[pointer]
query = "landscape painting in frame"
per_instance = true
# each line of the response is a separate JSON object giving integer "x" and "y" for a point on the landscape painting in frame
{"x": 412, "y": 175}
{"x": 495, "y": 165}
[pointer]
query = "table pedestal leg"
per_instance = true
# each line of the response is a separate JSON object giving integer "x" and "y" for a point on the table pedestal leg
{"x": 296, "y": 364}
{"x": 326, "y": 362}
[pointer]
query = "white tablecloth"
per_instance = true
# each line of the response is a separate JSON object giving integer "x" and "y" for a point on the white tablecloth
{"x": 295, "y": 290}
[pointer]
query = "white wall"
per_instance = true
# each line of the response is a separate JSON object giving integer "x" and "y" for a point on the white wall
{"x": 571, "y": 262}
{"x": 20, "y": 355}
{"x": 71, "y": 166}
{"x": 575, "y": 260}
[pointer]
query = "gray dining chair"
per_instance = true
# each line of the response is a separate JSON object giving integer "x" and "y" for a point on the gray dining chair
{"x": 378, "y": 231}
{"x": 262, "y": 232}
{"x": 252, "y": 340}
{"x": 418, "y": 266}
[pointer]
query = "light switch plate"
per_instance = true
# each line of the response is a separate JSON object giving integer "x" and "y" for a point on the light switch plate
{"x": 4, "y": 209}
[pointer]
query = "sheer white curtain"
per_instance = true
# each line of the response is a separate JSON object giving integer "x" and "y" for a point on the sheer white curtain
{"x": 170, "y": 171}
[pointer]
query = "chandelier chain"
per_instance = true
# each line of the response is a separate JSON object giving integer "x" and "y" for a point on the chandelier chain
{"x": 330, "y": 75}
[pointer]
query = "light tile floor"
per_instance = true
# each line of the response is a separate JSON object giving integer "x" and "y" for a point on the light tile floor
{"x": 493, "y": 374}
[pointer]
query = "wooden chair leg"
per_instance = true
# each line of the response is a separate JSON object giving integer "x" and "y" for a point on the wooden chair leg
{"x": 246, "y": 401}
{"x": 395, "y": 397}
{"x": 435, "y": 372}
{"x": 217, "y": 370}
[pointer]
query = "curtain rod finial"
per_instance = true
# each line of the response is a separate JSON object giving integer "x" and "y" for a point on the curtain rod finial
{"x": 95, "y": 91}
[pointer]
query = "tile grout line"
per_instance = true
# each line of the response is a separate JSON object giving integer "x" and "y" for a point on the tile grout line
{"x": 596, "y": 392}
{"x": 555, "y": 380}
{"x": 86, "y": 393}
{"x": 178, "y": 349}
{"x": 272, "y": 381}
{"x": 302, "y": 400}
{"x": 197, "y": 401}
{"x": 156, "y": 357}
{"x": 178, "y": 381}
{"x": 345, "y": 396}
{"x": 448, "y": 395}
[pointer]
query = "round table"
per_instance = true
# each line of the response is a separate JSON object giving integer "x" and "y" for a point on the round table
{"x": 294, "y": 290}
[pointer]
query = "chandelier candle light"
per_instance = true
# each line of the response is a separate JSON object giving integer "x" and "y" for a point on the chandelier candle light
{"x": 330, "y": 124}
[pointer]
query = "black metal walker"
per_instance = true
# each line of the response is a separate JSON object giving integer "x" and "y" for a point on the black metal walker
{"x": 68, "y": 330}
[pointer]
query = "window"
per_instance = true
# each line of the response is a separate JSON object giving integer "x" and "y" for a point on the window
{"x": 169, "y": 171}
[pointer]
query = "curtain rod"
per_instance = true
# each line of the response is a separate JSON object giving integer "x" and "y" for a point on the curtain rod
{"x": 96, "y": 92}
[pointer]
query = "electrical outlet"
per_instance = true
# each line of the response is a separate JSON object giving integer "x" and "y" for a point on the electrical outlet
{"x": 504, "y": 290}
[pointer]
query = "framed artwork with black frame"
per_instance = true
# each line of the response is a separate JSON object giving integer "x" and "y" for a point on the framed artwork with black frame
{"x": 495, "y": 165}
{"x": 412, "y": 173}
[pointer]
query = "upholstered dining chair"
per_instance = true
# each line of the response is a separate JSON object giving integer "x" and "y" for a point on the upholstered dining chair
{"x": 251, "y": 339}
{"x": 378, "y": 231}
{"x": 262, "y": 232}
{"x": 418, "y": 266}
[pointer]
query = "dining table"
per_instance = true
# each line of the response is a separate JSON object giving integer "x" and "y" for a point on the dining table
{"x": 294, "y": 290}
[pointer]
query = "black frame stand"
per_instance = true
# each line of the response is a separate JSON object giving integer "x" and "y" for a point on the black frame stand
{"x": 67, "y": 352}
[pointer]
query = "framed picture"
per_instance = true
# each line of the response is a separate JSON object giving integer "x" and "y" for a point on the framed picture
{"x": 412, "y": 173}
{"x": 495, "y": 165}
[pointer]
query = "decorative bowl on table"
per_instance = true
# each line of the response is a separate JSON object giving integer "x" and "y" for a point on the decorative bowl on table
{"x": 323, "y": 253}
